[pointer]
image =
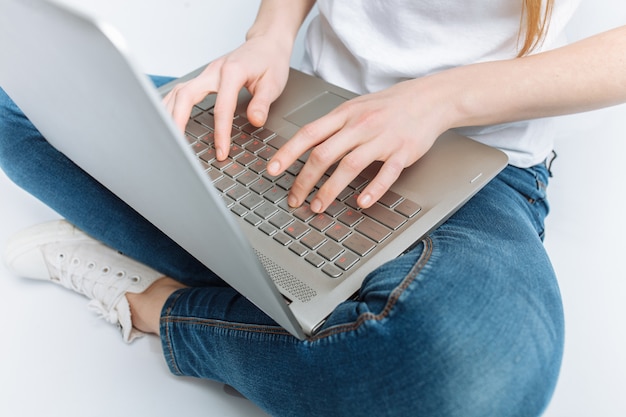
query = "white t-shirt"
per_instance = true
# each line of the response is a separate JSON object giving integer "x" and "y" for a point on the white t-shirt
{"x": 368, "y": 45}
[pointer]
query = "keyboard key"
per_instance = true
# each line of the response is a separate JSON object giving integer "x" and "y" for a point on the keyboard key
{"x": 350, "y": 217}
{"x": 224, "y": 184}
{"x": 246, "y": 158}
{"x": 296, "y": 230}
{"x": 275, "y": 194}
{"x": 373, "y": 230}
{"x": 253, "y": 219}
{"x": 304, "y": 213}
{"x": 408, "y": 208}
{"x": 315, "y": 260}
{"x": 282, "y": 238}
{"x": 214, "y": 174}
{"x": 261, "y": 185}
{"x": 277, "y": 142}
{"x": 206, "y": 119}
{"x": 358, "y": 183}
{"x": 332, "y": 271}
{"x": 385, "y": 216}
{"x": 268, "y": 229}
{"x": 249, "y": 128}
{"x": 258, "y": 166}
{"x": 255, "y": 146}
{"x": 239, "y": 121}
{"x": 330, "y": 250}
{"x": 266, "y": 210}
{"x": 346, "y": 261}
{"x": 359, "y": 244}
{"x": 264, "y": 134}
{"x": 338, "y": 232}
{"x": 233, "y": 170}
{"x": 298, "y": 249}
{"x": 247, "y": 178}
{"x": 266, "y": 153}
{"x": 196, "y": 129}
{"x": 390, "y": 199}
{"x": 286, "y": 181}
{"x": 238, "y": 210}
{"x": 251, "y": 201}
{"x": 237, "y": 192}
{"x": 208, "y": 156}
{"x": 199, "y": 148}
{"x": 281, "y": 219}
{"x": 221, "y": 164}
{"x": 321, "y": 222}
{"x": 207, "y": 102}
{"x": 335, "y": 208}
{"x": 295, "y": 168}
{"x": 313, "y": 239}
{"x": 242, "y": 139}
{"x": 235, "y": 151}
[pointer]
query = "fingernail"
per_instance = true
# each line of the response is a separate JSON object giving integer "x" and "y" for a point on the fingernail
{"x": 365, "y": 200}
{"x": 293, "y": 201}
{"x": 273, "y": 167}
{"x": 316, "y": 206}
{"x": 219, "y": 153}
{"x": 259, "y": 116}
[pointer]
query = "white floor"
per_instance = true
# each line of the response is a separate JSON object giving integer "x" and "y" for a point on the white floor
{"x": 57, "y": 359}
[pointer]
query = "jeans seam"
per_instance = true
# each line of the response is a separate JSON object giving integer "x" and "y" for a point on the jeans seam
{"x": 165, "y": 322}
{"x": 279, "y": 331}
{"x": 391, "y": 302}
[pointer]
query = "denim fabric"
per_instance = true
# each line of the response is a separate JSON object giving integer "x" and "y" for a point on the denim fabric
{"x": 469, "y": 323}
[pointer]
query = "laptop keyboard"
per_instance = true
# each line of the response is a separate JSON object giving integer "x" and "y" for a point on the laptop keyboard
{"x": 333, "y": 241}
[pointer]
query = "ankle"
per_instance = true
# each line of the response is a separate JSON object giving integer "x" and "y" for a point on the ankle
{"x": 146, "y": 307}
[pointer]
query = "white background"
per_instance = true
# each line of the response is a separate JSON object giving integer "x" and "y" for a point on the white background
{"x": 57, "y": 359}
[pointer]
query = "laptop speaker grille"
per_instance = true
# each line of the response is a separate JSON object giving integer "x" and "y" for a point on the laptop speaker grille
{"x": 289, "y": 283}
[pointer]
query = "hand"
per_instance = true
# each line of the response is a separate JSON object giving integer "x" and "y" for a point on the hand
{"x": 396, "y": 126}
{"x": 260, "y": 65}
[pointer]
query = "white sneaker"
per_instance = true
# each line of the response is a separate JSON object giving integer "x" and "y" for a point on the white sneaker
{"x": 59, "y": 252}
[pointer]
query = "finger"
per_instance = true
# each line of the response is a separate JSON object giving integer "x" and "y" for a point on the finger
{"x": 181, "y": 99}
{"x": 231, "y": 82}
{"x": 175, "y": 107}
{"x": 303, "y": 140}
{"x": 264, "y": 93}
{"x": 351, "y": 165}
{"x": 387, "y": 175}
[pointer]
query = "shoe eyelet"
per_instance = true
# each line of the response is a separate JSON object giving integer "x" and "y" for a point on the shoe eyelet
{"x": 106, "y": 270}
{"x": 75, "y": 261}
{"x": 61, "y": 256}
{"x": 91, "y": 265}
{"x": 135, "y": 279}
{"x": 120, "y": 274}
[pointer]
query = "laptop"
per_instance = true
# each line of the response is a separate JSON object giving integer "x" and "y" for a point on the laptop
{"x": 73, "y": 76}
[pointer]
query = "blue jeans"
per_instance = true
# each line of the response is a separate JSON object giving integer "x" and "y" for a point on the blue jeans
{"x": 469, "y": 323}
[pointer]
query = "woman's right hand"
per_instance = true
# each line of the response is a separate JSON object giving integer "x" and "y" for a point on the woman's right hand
{"x": 261, "y": 65}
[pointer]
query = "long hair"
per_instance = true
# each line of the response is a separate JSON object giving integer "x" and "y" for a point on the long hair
{"x": 534, "y": 23}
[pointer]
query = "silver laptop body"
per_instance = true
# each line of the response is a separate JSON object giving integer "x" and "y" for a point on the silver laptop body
{"x": 74, "y": 78}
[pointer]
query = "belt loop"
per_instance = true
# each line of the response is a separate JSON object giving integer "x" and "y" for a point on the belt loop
{"x": 549, "y": 160}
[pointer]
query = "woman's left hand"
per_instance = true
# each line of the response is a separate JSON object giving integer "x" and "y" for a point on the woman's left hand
{"x": 396, "y": 126}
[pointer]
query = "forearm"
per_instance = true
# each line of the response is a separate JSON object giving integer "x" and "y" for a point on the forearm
{"x": 583, "y": 76}
{"x": 280, "y": 19}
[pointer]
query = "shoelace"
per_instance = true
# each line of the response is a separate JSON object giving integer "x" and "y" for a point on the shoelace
{"x": 101, "y": 285}
{"x": 109, "y": 315}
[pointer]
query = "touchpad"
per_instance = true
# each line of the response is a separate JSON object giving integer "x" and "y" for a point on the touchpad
{"x": 315, "y": 108}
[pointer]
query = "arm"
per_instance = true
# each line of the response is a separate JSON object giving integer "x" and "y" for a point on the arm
{"x": 261, "y": 65}
{"x": 398, "y": 125}
{"x": 583, "y": 76}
